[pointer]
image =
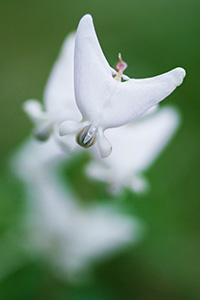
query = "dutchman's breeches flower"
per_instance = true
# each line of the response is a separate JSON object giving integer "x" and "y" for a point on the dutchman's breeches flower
{"x": 104, "y": 100}
{"x": 59, "y": 99}
{"x": 69, "y": 237}
{"x": 135, "y": 147}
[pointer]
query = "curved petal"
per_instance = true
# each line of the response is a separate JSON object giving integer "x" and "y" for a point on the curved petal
{"x": 104, "y": 145}
{"x": 59, "y": 96}
{"x": 33, "y": 108}
{"x": 131, "y": 99}
{"x": 92, "y": 73}
{"x": 43, "y": 126}
{"x": 68, "y": 127}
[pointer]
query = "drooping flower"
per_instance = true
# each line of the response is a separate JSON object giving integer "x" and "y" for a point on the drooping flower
{"x": 60, "y": 231}
{"x": 136, "y": 147}
{"x": 59, "y": 100}
{"x": 104, "y": 100}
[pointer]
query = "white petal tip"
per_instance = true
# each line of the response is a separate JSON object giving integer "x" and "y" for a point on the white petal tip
{"x": 31, "y": 105}
{"x": 105, "y": 152}
{"x": 104, "y": 145}
{"x": 69, "y": 127}
{"x": 86, "y": 23}
{"x": 86, "y": 18}
{"x": 33, "y": 109}
{"x": 178, "y": 75}
{"x": 139, "y": 184}
{"x": 43, "y": 131}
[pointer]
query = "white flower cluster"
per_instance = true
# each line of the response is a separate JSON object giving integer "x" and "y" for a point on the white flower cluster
{"x": 85, "y": 96}
{"x": 68, "y": 237}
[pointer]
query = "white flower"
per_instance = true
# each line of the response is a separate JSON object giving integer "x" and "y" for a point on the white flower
{"x": 59, "y": 101}
{"x": 68, "y": 236}
{"x": 102, "y": 98}
{"x": 136, "y": 146}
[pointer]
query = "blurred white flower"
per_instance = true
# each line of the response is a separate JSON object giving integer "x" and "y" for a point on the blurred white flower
{"x": 102, "y": 98}
{"x": 136, "y": 146}
{"x": 59, "y": 100}
{"x": 70, "y": 238}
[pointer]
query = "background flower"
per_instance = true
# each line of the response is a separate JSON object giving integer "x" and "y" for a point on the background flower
{"x": 67, "y": 236}
{"x": 137, "y": 146}
{"x": 59, "y": 100}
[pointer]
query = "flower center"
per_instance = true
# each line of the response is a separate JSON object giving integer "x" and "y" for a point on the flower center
{"x": 121, "y": 66}
{"x": 87, "y": 136}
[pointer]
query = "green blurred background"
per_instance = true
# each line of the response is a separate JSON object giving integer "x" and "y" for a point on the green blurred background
{"x": 153, "y": 36}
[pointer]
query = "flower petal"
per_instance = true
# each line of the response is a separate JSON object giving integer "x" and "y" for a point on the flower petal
{"x": 33, "y": 108}
{"x": 92, "y": 73}
{"x": 68, "y": 127}
{"x": 67, "y": 142}
{"x": 59, "y": 99}
{"x": 104, "y": 145}
{"x": 138, "y": 183}
{"x": 43, "y": 126}
{"x": 131, "y": 99}
{"x": 59, "y": 89}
